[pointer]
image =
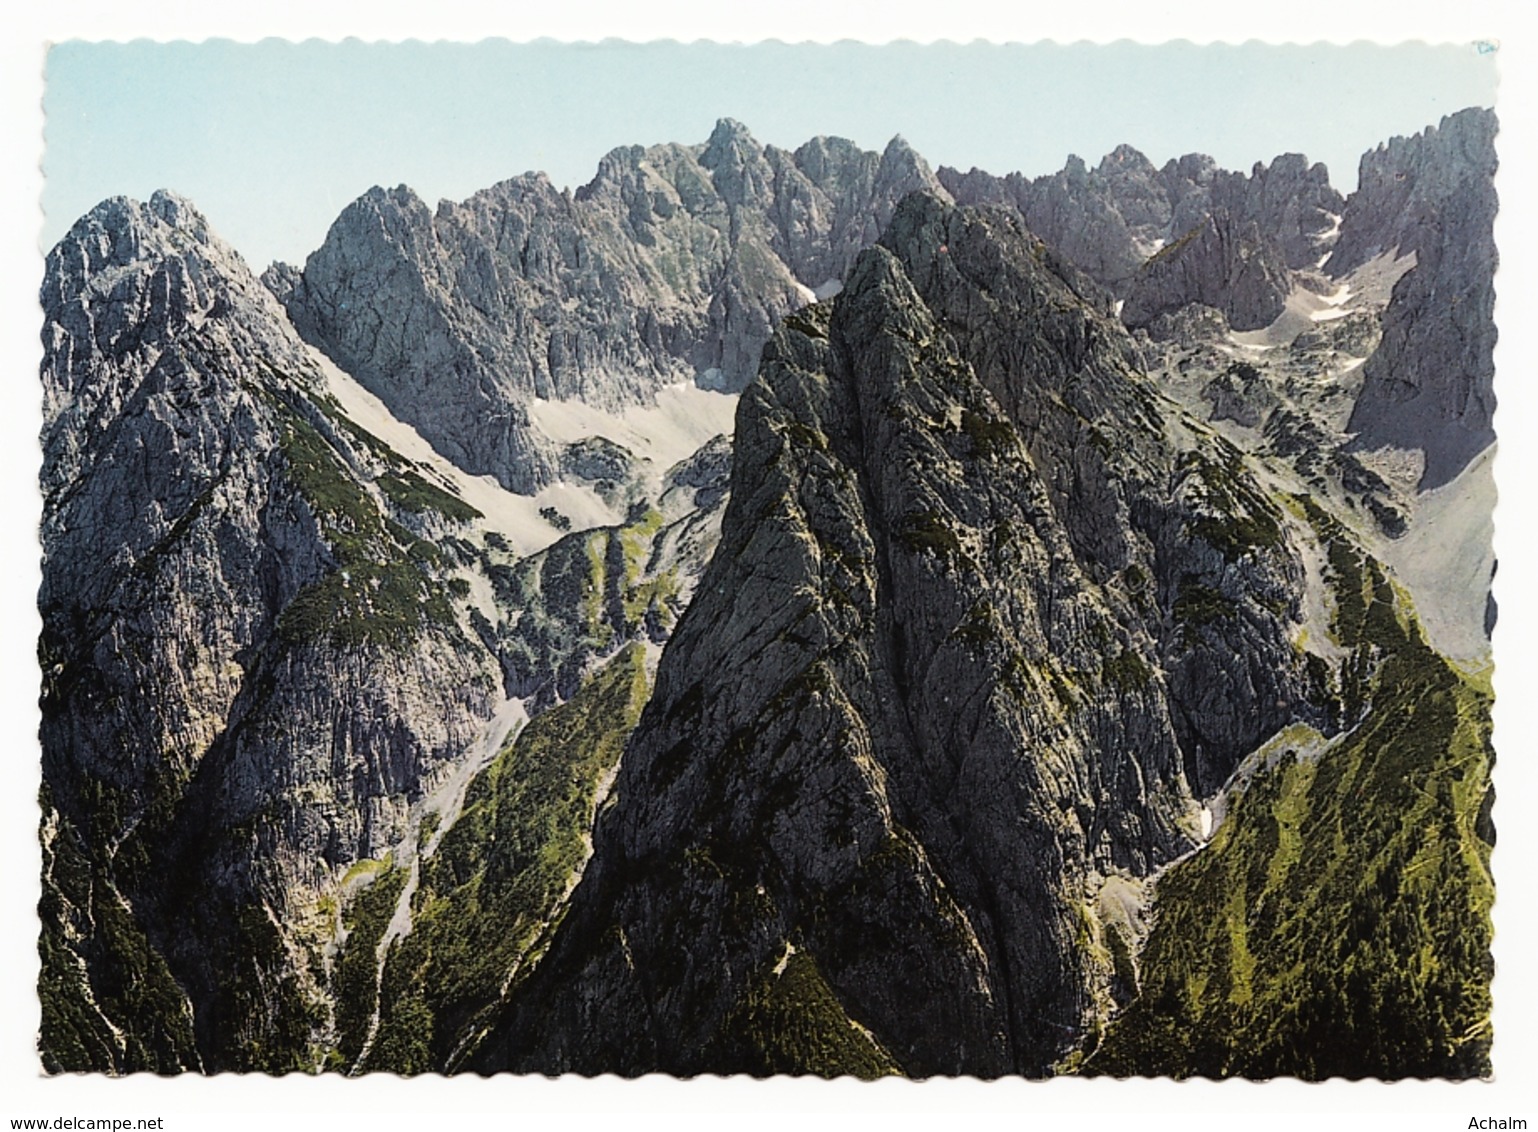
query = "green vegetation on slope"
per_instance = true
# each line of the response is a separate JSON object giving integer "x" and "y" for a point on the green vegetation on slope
{"x": 122, "y": 978}
{"x": 486, "y": 897}
{"x": 585, "y": 594}
{"x": 1338, "y": 922}
{"x": 413, "y": 493}
{"x": 264, "y": 1020}
{"x": 1243, "y": 519}
{"x": 357, "y": 971}
{"x": 381, "y": 589}
{"x": 792, "y": 1022}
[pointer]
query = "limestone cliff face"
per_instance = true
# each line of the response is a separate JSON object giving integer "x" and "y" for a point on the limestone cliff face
{"x": 1142, "y": 492}
{"x": 935, "y": 688}
{"x": 1224, "y": 263}
{"x": 251, "y": 665}
{"x": 1290, "y": 200}
{"x": 1430, "y": 384}
{"x": 1109, "y": 220}
{"x": 1078, "y": 211}
{"x": 674, "y": 263}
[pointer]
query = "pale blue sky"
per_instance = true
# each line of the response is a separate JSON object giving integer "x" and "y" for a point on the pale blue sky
{"x": 271, "y": 140}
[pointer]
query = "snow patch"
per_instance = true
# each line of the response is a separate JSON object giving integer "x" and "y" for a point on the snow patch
{"x": 1334, "y": 305}
{"x": 673, "y": 429}
{"x": 515, "y": 517}
{"x": 1327, "y": 239}
{"x": 579, "y": 504}
{"x": 1447, "y": 557}
{"x": 1302, "y": 310}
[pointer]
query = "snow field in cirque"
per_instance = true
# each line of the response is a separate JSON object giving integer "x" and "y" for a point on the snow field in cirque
{"x": 673, "y": 429}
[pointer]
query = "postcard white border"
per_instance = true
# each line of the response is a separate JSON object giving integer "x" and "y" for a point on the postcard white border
{"x": 389, "y": 1103}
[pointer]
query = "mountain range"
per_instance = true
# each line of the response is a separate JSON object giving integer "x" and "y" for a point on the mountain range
{"x": 779, "y": 611}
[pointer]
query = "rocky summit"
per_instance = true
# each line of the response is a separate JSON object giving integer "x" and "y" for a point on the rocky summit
{"x": 1111, "y": 219}
{"x": 1430, "y": 384}
{"x": 673, "y": 263}
{"x": 252, "y": 662}
{"x": 776, "y": 612}
{"x": 915, "y": 726}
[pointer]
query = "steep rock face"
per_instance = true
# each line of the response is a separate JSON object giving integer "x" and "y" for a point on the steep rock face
{"x": 1429, "y": 385}
{"x": 1078, "y": 214}
{"x": 1188, "y": 183}
{"x": 673, "y": 263}
{"x": 1404, "y": 184}
{"x": 1144, "y": 494}
{"x": 1224, "y": 262}
{"x": 250, "y": 665}
{"x": 992, "y": 615}
{"x": 1290, "y": 200}
{"x": 929, "y": 695}
{"x": 1337, "y": 924}
{"x": 1109, "y": 220}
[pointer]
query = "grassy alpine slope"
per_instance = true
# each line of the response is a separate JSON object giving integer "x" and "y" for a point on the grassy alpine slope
{"x": 1338, "y": 923}
{"x": 488, "y": 894}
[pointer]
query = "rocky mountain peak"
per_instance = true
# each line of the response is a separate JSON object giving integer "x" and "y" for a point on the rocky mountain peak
{"x": 204, "y": 500}
{"x": 736, "y": 162}
{"x": 120, "y": 232}
{"x": 404, "y": 213}
{"x": 1112, "y": 219}
{"x": 1290, "y": 200}
{"x": 727, "y": 136}
{"x": 873, "y": 684}
{"x": 902, "y": 171}
{"x": 1197, "y": 168}
{"x": 830, "y": 162}
{"x": 1126, "y": 159}
{"x": 1430, "y": 384}
{"x": 131, "y": 277}
{"x": 1406, "y": 183}
{"x": 523, "y": 293}
{"x": 614, "y": 169}
{"x": 901, "y": 159}
{"x": 179, "y": 212}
